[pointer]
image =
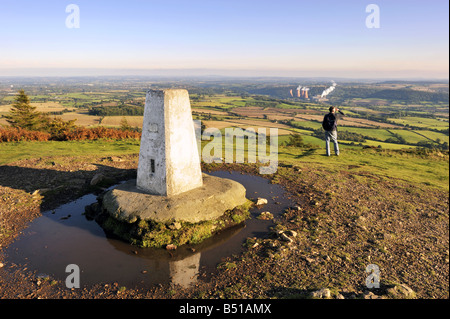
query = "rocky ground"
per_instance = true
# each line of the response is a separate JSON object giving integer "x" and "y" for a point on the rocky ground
{"x": 319, "y": 248}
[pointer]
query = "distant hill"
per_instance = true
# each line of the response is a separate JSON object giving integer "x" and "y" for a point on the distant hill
{"x": 410, "y": 96}
{"x": 350, "y": 92}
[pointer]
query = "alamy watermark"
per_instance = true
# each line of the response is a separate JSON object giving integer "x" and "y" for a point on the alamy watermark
{"x": 73, "y": 279}
{"x": 237, "y": 143}
{"x": 373, "y": 19}
{"x": 73, "y": 19}
{"x": 373, "y": 280}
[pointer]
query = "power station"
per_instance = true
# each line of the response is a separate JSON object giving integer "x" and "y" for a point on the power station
{"x": 302, "y": 93}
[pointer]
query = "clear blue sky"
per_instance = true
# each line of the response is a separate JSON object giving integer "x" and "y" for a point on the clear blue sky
{"x": 245, "y": 37}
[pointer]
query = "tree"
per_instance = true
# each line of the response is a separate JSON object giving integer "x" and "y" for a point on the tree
{"x": 23, "y": 114}
{"x": 57, "y": 127}
{"x": 296, "y": 140}
{"x": 124, "y": 126}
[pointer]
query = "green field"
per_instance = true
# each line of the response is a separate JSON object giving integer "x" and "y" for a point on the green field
{"x": 388, "y": 146}
{"x": 374, "y": 136}
{"x": 422, "y": 122}
{"x": 374, "y": 133}
{"x": 308, "y": 124}
{"x": 15, "y": 151}
{"x": 382, "y": 160}
{"x": 430, "y": 169}
{"x": 433, "y": 135}
{"x": 426, "y": 170}
{"x": 410, "y": 136}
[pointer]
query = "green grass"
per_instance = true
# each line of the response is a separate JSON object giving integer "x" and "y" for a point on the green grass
{"x": 222, "y": 102}
{"x": 422, "y": 122}
{"x": 314, "y": 140}
{"x": 389, "y": 146}
{"x": 414, "y": 168}
{"x": 308, "y": 139}
{"x": 374, "y": 133}
{"x": 434, "y": 135}
{"x": 391, "y": 161}
{"x": 15, "y": 151}
{"x": 288, "y": 106}
{"x": 388, "y": 163}
{"x": 308, "y": 124}
{"x": 410, "y": 136}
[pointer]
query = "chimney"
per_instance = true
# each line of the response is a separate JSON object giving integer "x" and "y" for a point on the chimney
{"x": 306, "y": 94}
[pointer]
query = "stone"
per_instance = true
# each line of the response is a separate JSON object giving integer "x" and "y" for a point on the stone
{"x": 284, "y": 237}
{"x": 291, "y": 233}
{"x": 265, "y": 216}
{"x": 169, "y": 161}
{"x": 115, "y": 159}
{"x": 39, "y": 192}
{"x": 127, "y": 203}
{"x": 371, "y": 295}
{"x": 322, "y": 293}
{"x": 170, "y": 187}
{"x": 261, "y": 201}
{"x": 43, "y": 277}
{"x": 401, "y": 291}
{"x": 175, "y": 226}
{"x": 97, "y": 179}
{"x": 315, "y": 203}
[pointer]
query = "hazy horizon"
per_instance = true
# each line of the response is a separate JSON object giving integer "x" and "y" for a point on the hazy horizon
{"x": 199, "y": 73}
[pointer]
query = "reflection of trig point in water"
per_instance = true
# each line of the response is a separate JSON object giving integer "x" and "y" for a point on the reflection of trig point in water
{"x": 169, "y": 162}
{"x": 184, "y": 272}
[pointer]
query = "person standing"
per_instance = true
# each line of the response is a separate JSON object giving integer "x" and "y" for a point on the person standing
{"x": 329, "y": 124}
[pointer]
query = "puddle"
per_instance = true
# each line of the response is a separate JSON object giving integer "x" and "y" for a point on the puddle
{"x": 65, "y": 236}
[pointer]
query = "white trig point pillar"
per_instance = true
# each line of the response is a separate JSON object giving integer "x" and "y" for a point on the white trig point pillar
{"x": 169, "y": 163}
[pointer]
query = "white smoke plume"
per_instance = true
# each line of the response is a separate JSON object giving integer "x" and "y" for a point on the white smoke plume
{"x": 329, "y": 90}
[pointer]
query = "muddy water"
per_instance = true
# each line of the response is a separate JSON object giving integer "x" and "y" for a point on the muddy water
{"x": 65, "y": 236}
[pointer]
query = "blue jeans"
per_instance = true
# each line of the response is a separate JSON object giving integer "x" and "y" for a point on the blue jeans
{"x": 331, "y": 135}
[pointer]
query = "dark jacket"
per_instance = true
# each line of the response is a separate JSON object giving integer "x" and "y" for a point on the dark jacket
{"x": 333, "y": 118}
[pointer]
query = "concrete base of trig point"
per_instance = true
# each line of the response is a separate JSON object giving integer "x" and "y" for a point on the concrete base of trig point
{"x": 129, "y": 204}
{"x": 170, "y": 187}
